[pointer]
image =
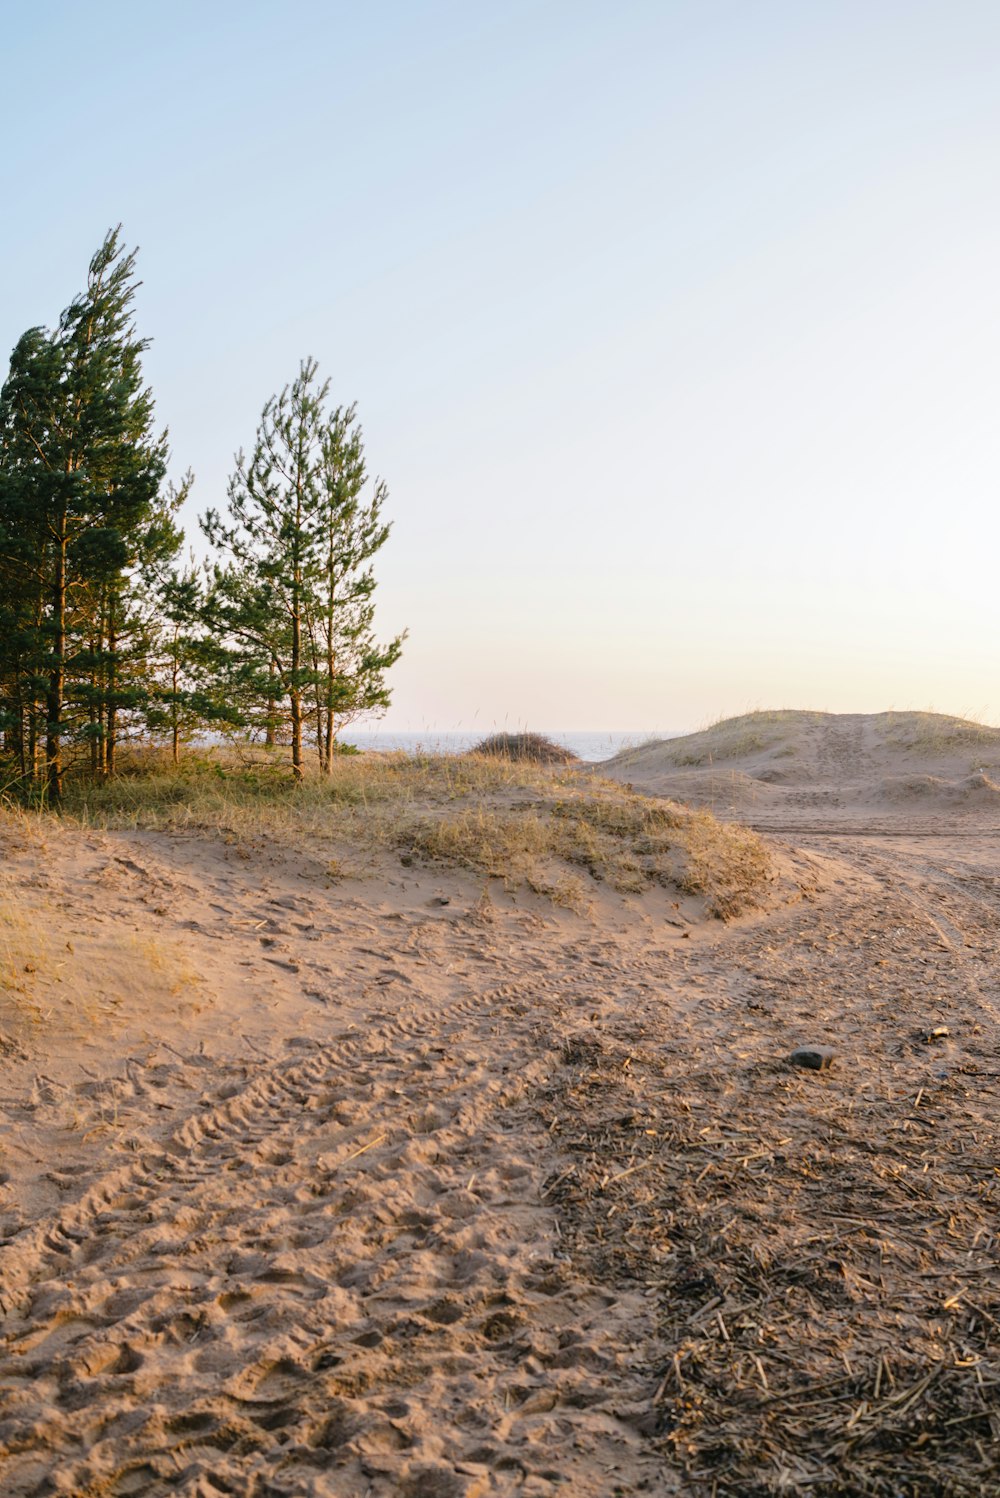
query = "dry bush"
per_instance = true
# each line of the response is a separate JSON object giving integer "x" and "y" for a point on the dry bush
{"x": 533, "y": 747}
{"x": 726, "y": 863}
{"x": 617, "y": 838}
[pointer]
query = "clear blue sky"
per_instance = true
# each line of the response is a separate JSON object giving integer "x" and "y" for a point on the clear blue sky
{"x": 674, "y": 327}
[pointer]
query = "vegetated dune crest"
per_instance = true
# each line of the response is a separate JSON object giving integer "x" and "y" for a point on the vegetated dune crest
{"x": 767, "y": 763}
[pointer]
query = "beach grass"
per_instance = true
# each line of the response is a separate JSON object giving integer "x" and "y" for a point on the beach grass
{"x": 936, "y": 733}
{"x": 541, "y": 826}
{"x": 736, "y": 738}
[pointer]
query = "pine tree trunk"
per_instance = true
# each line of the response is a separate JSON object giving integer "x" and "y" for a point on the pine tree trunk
{"x": 330, "y": 672}
{"x": 33, "y": 742}
{"x": 57, "y": 679}
{"x": 326, "y": 721}
{"x": 296, "y": 697}
{"x": 94, "y": 714}
{"x": 33, "y": 707}
{"x": 328, "y": 740}
{"x": 14, "y": 739}
{"x": 296, "y": 693}
{"x": 175, "y": 736}
{"x": 328, "y": 743}
{"x": 22, "y": 759}
{"x": 317, "y": 693}
{"x": 272, "y": 711}
{"x": 111, "y": 724}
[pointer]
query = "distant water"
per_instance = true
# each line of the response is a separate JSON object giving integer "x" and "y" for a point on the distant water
{"x": 590, "y": 746}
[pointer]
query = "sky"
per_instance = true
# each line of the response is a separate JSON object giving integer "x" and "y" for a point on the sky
{"x": 674, "y": 328}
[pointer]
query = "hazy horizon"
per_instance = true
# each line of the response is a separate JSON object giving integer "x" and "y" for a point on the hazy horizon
{"x": 374, "y": 727}
{"x": 672, "y": 329}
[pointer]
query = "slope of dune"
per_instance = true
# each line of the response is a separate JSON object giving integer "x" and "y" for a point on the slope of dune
{"x": 770, "y": 767}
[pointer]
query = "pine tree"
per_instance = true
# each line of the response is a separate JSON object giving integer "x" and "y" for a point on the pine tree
{"x": 186, "y": 685}
{"x": 349, "y": 665}
{"x": 26, "y": 430}
{"x": 80, "y": 477}
{"x": 292, "y": 593}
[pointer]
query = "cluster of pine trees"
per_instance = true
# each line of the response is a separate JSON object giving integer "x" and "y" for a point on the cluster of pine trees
{"x": 104, "y": 634}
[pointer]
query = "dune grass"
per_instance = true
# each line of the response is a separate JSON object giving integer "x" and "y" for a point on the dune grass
{"x": 937, "y": 733}
{"x": 24, "y": 946}
{"x": 83, "y": 978}
{"x": 735, "y": 738}
{"x": 540, "y": 826}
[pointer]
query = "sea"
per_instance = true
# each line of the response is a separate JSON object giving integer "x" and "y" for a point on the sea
{"x": 591, "y": 745}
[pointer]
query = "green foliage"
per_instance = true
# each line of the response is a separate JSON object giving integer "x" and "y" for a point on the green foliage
{"x": 81, "y": 513}
{"x": 102, "y": 635}
{"x": 291, "y": 592}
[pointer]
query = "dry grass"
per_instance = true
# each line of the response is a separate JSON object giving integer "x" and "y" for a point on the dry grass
{"x": 539, "y": 826}
{"x": 937, "y": 733}
{"x": 726, "y": 863}
{"x": 734, "y": 738}
{"x": 753, "y": 733}
{"x": 826, "y": 1279}
{"x": 78, "y": 978}
{"x": 25, "y": 947}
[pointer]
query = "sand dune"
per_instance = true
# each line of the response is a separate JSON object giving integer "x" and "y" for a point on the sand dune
{"x": 411, "y": 1184}
{"x": 773, "y": 768}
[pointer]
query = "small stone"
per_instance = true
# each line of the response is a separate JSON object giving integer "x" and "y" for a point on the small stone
{"x": 813, "y": 1057}
{"x": 441, "y": 900}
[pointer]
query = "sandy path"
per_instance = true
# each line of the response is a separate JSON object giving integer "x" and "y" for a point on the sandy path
{"x": 482, "y": 1198}
{"x": 340, "y": 1273}
{"x": 346, "y": 1264}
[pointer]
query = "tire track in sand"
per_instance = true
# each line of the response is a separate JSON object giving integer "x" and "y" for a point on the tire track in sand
{"x": 341, "y": 1278}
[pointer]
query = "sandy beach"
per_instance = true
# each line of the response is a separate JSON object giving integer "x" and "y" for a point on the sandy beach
{"x": 413, "y": 1183}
